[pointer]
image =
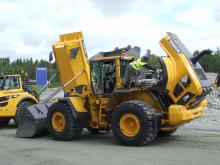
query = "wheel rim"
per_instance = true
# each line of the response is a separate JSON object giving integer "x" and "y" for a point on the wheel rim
{"x": 130, "y": 124}
{"x": 58, "y": 121}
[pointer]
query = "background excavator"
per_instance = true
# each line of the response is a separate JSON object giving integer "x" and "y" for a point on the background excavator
{"x": 96, "y": 98}
{"x": 14, "y": 95}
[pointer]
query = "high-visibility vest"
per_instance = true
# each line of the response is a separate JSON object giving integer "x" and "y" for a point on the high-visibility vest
{"x": 138, "y": 64}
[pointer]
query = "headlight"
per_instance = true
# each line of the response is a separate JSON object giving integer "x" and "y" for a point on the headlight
{"x": 15, "y": 96}
{"x": 185, "y": 80}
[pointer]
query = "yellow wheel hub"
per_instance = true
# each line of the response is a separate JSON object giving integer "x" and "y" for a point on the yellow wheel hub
{"x": 130, "y": 124}
{"x": 58, "y": 121}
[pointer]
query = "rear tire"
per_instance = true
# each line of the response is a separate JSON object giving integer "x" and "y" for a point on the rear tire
{"x": 65, "y": 127}
{"x": 139, "y": 123}
{"x": 19, "y": 110}
{"x": 4, "y": 122}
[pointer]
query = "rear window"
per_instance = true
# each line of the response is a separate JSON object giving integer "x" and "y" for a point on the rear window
{"x": 123, "y": 66}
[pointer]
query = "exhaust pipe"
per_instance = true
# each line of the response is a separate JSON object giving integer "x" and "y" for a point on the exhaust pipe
{"x": 196, "y": 57}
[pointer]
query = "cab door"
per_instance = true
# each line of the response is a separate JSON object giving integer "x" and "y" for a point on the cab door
{"x": 103, "y": 75}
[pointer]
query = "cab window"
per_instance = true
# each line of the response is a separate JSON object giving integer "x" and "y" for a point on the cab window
{"x": 103, "y": 76}
{"x": 123, "y": 66}
{"x": 9, "y": 83}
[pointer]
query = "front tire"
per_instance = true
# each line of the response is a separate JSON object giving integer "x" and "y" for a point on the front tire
{"x": 133, "y": 123}
{"x": 61, "y": 123}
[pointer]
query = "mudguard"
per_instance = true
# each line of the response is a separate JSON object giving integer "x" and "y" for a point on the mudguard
{"x": 78, "y": 107}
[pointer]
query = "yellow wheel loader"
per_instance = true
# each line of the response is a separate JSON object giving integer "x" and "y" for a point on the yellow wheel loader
{"x": 13, "y": 98}
{"x": 97, "y": 99}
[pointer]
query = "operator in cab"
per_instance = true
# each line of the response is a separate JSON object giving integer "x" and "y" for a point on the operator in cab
{"x": 217, "y": 81}
{"x": 136, "y": 70}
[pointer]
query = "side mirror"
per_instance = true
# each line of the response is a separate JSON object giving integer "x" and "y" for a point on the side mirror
{"x": 51, "y": 56}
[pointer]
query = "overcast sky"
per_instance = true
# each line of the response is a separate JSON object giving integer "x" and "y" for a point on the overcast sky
{"x": 28, "y": 27}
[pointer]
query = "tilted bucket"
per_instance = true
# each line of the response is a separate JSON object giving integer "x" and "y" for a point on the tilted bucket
{"x": 33, "y": 121}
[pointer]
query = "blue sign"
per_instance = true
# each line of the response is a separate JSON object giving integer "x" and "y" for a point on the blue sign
{"x": 41, "y": 76}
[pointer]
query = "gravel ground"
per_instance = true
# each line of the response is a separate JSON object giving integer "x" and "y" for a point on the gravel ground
{"x": 185, "y": 147}
{"x": 211, "y": 76}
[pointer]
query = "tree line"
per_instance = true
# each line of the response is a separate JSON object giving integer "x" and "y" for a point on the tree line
{"x": 29, "y": 66}
{"x": 210, "y": 63}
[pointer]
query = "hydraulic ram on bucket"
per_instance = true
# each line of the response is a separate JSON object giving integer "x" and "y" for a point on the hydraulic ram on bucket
{"x": 33, "y": 120}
